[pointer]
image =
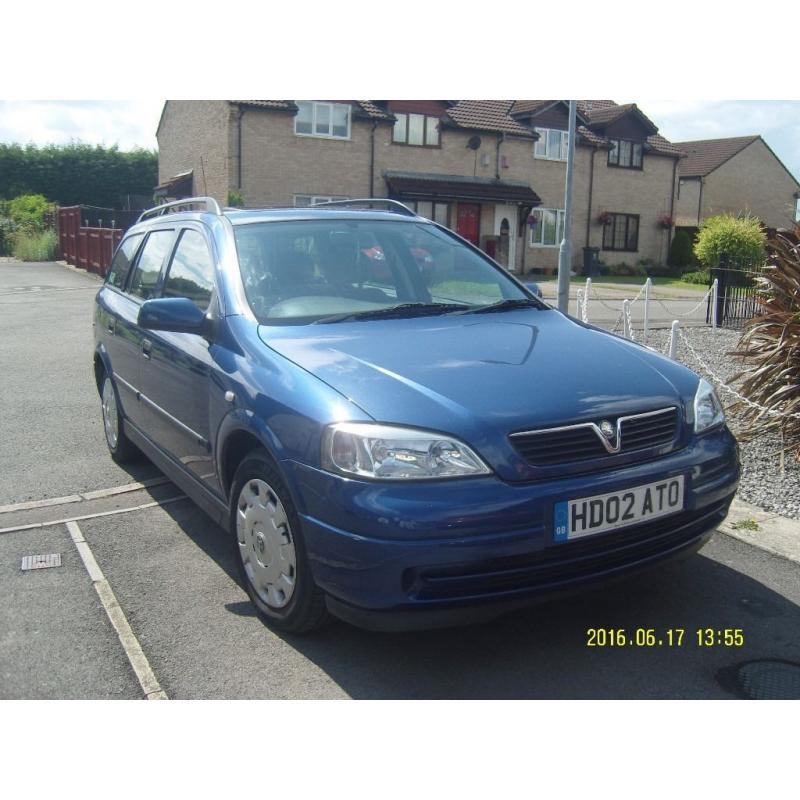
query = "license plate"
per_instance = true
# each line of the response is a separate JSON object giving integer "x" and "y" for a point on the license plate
{"x": 607, "y": 512}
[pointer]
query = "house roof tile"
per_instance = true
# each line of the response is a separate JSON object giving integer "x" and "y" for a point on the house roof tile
{"x": 706, "y": 155}
{"x": 487, "y": 115}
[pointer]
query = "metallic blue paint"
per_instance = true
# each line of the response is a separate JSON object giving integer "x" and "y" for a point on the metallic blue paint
{"x": 476, "y": 377}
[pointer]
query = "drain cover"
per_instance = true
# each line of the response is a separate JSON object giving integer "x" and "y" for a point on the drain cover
{"x": 41, "y": 562}
{"x": 766, "y": 679}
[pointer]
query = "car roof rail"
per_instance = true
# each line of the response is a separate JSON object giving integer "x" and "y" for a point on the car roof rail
{"x": 176, "y": 206}
{"x": 395, "y": 206}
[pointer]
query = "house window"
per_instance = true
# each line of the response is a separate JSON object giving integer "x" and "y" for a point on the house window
{"x": 624, "y": 153}
{"x": 416, "y": 129}
{"x": 306, "y": 200}
{"x": 552, "y": 145}
{"x": 438, "y": 212}
{"x": 548, "y": 231}
{"x": 621, "y": 232}
{"x": 331, "y": 120}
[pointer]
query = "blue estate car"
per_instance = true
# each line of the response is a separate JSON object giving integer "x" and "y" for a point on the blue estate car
{"x": 402, "y": 440}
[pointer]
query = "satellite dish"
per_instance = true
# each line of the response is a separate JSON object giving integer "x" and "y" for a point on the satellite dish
{"x": 474, "y": 142}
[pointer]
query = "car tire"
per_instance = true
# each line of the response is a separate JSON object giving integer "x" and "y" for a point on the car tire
{"x": 270, "y": 551}
{"x": 119, "y": 445}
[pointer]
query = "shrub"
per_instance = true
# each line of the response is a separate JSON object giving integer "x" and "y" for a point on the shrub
{"x": 7, "y": 228}
{"x": 680, "y": 250}
{"x": 28, "y": 211}
{"x": 741, "y": 239}
{"x": 702, "y": 276}
{"x": 235, "y": 199}
{"x": 34, "y": 246}
{"x": 771, "y": 344}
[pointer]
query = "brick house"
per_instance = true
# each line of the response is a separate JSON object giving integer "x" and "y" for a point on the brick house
{"x": 736, "y": 175}
{"x": 493, "y": 170}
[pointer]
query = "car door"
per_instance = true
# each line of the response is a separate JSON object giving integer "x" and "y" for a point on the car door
{"x": 175, "y": 377}
{"x": 141, "y": 285}
{"x": 115, "y": 321}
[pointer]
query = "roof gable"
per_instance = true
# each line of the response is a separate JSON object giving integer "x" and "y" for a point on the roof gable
{"x": 706, "y": 155}
{"x": 607, "y": 115}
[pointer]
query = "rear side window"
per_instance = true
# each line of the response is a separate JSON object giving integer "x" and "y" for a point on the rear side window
{"x": 121, "y": 265}
{"x": 191, "y": 273}
{"x": 148, "y": 267}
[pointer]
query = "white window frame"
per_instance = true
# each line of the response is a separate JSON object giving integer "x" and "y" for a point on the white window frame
{"x": 317, "y": 198}
{"x": 315, "y": 105}
{"x": 544, "y": 136}
{"x": 536, "y": 231}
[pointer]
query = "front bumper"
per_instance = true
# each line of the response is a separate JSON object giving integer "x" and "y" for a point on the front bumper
{"x": 393, "y": 556}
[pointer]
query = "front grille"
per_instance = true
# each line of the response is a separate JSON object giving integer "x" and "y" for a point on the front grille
{"x": 585, "y": 441}
{"x": 564, "y": 564}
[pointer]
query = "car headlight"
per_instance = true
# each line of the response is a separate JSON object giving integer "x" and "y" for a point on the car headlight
{"x": 388, "y": 452}
{"x": 708, "y": 411}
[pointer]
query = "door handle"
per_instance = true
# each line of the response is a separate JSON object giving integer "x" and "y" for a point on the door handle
{"x": 111, "y": 327}
{"x": 147, "y": 347}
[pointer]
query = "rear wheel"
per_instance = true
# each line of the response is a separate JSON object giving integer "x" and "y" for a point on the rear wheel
{"x": 270, "y": 549}
{"x": 120, "y": 447}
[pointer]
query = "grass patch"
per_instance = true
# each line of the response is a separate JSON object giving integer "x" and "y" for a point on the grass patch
{"x": 746, "y": 525}
{"x": 39, "y": 246}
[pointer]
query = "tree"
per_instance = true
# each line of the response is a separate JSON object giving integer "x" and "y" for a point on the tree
{"x": 741, "y": 239}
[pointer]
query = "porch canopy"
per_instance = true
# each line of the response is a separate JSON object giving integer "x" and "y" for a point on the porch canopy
{"x": 176, "y": 188}
{"x": 432, "y": 186}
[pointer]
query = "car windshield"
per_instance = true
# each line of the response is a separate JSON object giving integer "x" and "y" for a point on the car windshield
{"x": 329, "y": 270}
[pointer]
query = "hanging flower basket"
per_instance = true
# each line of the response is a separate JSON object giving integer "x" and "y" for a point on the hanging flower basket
{"x": 532, "y": 221}
{"x": 666, "y": 221}
{"x": 605, "y": 218}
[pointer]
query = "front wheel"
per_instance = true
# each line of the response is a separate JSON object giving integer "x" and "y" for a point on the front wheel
{"x": 270, "y": 550}
{"x": 120, "y": 447}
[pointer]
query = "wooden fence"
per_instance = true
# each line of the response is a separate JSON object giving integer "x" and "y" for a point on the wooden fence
{"x": 89, "y": 248}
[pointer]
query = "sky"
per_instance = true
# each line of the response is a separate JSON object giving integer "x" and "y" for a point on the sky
{"x": 133, "y": 123}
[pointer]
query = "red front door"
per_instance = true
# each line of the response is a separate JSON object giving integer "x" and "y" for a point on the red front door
{"x": 467, "y": 221}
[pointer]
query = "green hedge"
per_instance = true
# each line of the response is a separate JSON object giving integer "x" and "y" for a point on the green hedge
{"x": 77, "y": 173}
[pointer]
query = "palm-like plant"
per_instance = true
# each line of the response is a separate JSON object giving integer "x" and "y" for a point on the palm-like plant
{"x": 770, "y": 344}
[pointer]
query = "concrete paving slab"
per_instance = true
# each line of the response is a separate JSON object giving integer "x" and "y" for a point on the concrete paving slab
{"x": 55, "y": 638}
{"x": 767, "y": 531}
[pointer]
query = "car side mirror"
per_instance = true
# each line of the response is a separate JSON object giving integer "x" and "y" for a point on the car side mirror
{"x": 175, "y": 314}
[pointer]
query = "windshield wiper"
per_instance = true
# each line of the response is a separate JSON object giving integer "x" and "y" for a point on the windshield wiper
{"x": 402, "y": 310}
{"x": 506, "y": 305}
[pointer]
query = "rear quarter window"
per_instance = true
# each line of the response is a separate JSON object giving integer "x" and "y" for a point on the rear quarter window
{"x": 121, "y": 265}
{"x": 191, "y": 273}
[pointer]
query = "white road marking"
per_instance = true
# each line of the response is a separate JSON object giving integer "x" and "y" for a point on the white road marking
{"x": 53, "y": 501}
{"x": 79, "y": 496}
{"x": 133, "y": 650}
{"x": 34, "y": 525}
